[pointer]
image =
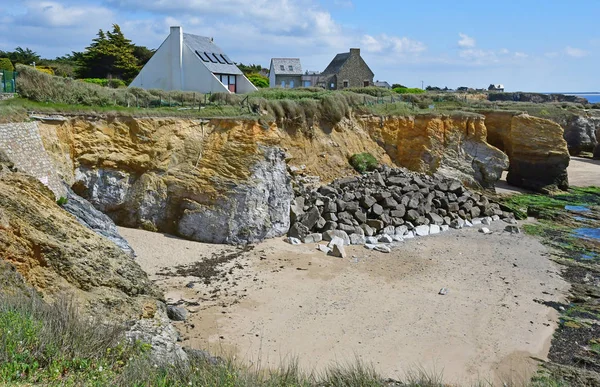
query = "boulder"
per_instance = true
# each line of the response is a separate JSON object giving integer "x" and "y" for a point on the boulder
{"x": 298, "y": 231}
{"x": 338, "y": 251}
{"x": 313, "y": 238}
{"x": 422, "y": 230}
{"x": 329, "y": 235}
{"x": 176, "y": 313}
{"x": 357, "y": 239}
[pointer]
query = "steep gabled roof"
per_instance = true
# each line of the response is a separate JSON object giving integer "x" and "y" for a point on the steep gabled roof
{"x": 336, "y": 64}
{"x": 210, "y": 54}
{"x": 276, "y": 64}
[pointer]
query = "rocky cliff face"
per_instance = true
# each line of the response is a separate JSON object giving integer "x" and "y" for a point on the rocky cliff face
{"x": 535, "y": 146}
{"x": 580, "y": 133}
{"x": 55, "y": 254}
{"x": 453, "y": 145}
{"x": 221, "y": 182}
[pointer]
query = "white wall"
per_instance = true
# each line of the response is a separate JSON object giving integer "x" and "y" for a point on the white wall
{"x": 272, "y": 76}
{"x": 174, "y": 66}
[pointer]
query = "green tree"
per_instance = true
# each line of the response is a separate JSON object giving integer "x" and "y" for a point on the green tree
{"x": 6, "y": 64}
{"x": 142, "y": 54}
{"x": 109, "y": 55}
{"x": 21, "y": 55}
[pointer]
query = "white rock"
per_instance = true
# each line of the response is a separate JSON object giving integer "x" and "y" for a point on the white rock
{"x": 434, "y": 229}
{"x": 487, "y": 221}
{"x": 422, "y": 230}
{"x": 401, "y": 230}
{"x": 313, "y": 238}
{"x": 323, "y": 248}
{"x": 335, "y": 241}
{"x": 371, "y": 240}
{"x": 468, "y": 223}
{"x": 444, "y": 228}
{"x": 409, "y": 235}
{"x": 357, "y": 239}
{"x": 338, "y": 251}
{"x": 294, "y": 241}
{"x": 495, "y": 218}
{"x": 370, "y": 246}
{"x": 385, "y": 238}
{"x": 398, "y": 238}
{"x": 382, "y": 248}
{"x": 475, "y": 221}
{"x": 484, "y": 230}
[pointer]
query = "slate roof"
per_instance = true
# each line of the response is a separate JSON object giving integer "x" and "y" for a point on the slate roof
{"x": 276, "y": 64}
{"x": 211, "y": 55}
{"x": 336, "y": 64}
{"x": 382, "y": 84}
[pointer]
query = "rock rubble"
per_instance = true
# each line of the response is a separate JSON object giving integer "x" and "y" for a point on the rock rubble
{"x": 388, "y": 205}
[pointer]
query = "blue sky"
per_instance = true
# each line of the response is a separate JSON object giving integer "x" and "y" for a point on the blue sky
{"x": 526, "y": 45}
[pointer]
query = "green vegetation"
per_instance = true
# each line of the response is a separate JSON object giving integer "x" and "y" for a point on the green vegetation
{"x": 363, "y": 162}
{"x": 110, "y": 54}
{"x": 407, "y": 90}
{"x": 62, "y": 201}
{"x": 6, "y": 64}
{"x": 113, "y": 83}
{"x": 258, "y": 80}
{"x": 51, "y": 345}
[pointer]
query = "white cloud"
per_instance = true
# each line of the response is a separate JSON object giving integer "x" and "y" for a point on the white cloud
{"x": 466, "y": 41}
{"x": 521, "y": 55}
{"x": 576, "y": 52}
{"x": 55, "y": 15}
{"x": 386, "y": 44}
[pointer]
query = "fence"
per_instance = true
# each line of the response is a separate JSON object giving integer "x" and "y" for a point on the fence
{"x": 8, "y": 81}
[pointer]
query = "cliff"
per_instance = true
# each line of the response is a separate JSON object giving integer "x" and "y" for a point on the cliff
{"x": 454, "y": 145}
{"x": 535, "y": 146}
{"x": 55, "y": 254}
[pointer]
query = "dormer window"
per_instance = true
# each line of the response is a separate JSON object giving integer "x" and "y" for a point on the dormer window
{"x": 282, "y": 67}
{"x": 291, "y": 68}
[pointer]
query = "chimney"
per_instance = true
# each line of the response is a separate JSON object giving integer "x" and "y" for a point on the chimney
{"x": 355, "y": 51}
{"x": 176, "y": 58}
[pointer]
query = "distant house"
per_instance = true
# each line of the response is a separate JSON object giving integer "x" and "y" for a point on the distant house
{"x": 346, "y": 70}
{"x": 383, "y": 84}
{"x": 191, "y": 63}
{"x": 310, "y": 78}
{"x": 497, "y": 87}
{"x": 285, "y": 73}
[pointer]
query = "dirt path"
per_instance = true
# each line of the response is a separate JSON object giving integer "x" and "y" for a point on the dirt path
{"x": 280, "y": 301}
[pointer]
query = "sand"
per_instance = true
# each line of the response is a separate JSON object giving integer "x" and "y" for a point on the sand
{"x": 279, "y": 302}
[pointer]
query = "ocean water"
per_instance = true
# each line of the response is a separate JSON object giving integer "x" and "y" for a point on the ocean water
{"x": 592, "y": 98}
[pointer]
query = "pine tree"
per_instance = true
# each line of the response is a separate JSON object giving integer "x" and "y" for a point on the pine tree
{"x": 110, "y": 55}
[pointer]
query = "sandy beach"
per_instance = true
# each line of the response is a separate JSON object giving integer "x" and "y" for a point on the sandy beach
{"x": 279, "y": 302}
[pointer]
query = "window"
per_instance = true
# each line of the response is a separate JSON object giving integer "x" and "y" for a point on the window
{"x": 366, "y": 83}
{"x": 228, "y": 80}
{"x": 283, "y": 84}
{"x": 210, "y": 57}
{"x": 345, "y": 84}
{"x": 291, "y": 68}
{"x": 306, "y": 83}
{"x": 332, "y": 86}
{"x": 282, "y": 67}
{"x": 291, "y": 84}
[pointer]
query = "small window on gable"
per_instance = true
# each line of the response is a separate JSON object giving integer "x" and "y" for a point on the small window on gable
{"x": 291, "y": 68}
{"x": 282, "y": 67}
{"x": 345, "y": 83}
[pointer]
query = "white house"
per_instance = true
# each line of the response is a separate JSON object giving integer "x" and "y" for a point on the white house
{"x": 191, "y": 63}
{"x": 285, "y": 73}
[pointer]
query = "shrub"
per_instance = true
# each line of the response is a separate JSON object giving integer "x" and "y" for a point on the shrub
{"x": 6, "y": 64}
{"x": 45, "y": 69}
{"x": 407, "y": 90}
{"x": 363, "y": 162}
{"x": 258, "y": 80}
{"x": 62, "y": 201}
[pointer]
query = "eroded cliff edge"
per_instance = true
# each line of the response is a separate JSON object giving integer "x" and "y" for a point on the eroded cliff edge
{"x": 225, "y": 180}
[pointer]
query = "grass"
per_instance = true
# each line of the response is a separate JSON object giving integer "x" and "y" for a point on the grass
{"x": 363, "y": 162}
{"x": 51, "y": 344}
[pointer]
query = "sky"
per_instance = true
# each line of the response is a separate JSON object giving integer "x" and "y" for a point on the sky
{"x": 526, "y": 45}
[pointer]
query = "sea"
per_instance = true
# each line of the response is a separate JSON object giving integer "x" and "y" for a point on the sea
{"x": 592, "y": 97}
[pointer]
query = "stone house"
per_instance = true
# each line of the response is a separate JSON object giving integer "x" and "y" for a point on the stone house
{"x": 346, "y": 70}
{"x": 191, "y": 63}
{"x": 285, "y": 73}
{"x": 498, "y": 87}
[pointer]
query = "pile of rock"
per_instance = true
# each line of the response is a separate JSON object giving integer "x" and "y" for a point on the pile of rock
{"x": 385, "y": 206}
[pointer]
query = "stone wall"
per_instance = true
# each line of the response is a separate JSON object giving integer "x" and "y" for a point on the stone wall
{"x": 22, "y": 144}
{"x": 5, "y": 96}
